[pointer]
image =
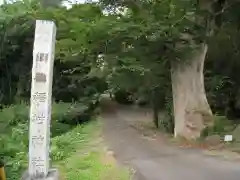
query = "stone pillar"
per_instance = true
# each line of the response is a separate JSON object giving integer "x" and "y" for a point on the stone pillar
{"x": 41, "y": 102}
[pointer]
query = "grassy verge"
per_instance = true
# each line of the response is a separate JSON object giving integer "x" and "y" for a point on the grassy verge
{"x": 76, "y": 150}
{"x": 88, "y": 159}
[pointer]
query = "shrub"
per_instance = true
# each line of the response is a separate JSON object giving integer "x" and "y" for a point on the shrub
{"x": 14, "y": 134}
{"x": 123, "y": 97}
{"x": 221, "y": 126}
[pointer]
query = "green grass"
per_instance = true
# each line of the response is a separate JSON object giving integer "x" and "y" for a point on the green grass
{"x": 87, "y": 158}
{"x": 76, "y": 150}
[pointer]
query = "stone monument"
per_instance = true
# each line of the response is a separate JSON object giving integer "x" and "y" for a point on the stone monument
{"x": 41, "y": 102}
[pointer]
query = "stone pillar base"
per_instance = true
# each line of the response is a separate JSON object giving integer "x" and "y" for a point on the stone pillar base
{"x": 52, "y": 175}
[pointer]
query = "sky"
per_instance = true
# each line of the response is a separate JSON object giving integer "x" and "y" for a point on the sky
{"x": 69, "y": 2}
{"x": 66, "y": 3}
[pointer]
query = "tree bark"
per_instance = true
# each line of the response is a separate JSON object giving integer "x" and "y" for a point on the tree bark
{"x": 192, "y": 112}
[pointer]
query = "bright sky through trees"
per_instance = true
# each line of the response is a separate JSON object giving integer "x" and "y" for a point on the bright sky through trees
{"x": 67, "y": 3}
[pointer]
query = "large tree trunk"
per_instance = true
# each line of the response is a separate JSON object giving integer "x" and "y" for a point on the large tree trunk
{"x": 192, "y": 112}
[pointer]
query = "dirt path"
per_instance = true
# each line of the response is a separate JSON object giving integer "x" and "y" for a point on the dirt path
{"x": 153, "y": 160}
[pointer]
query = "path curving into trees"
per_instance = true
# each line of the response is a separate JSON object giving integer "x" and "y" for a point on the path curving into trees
{"x": 155, "y": 160}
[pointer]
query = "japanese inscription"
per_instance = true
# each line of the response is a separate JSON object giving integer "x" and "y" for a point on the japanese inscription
{"x": 42, "y": 57}
{"x": 40, "y": 96}
{"x": 40, "y": 115}
{"x": 40, "y": 77}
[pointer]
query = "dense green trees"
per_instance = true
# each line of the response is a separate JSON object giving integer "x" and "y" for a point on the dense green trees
{"x": 153, "y": 50}
{"x": 178, "y": 56}
{"x": 167, "y": 38}
{"x": 173, "y": 37}
{"x": 71, "y": 73}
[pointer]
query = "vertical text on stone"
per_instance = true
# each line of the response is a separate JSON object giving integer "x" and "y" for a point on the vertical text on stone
{"x": 41, "y": 98}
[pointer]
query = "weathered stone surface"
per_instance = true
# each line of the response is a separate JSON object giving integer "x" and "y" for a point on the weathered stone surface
{"x": 53, "y": 174}
{"x": 41, "y": 97}
{"x": 41, "y": 102}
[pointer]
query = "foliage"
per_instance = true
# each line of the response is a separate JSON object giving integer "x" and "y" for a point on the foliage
{"x": 144, "y": 44}
{"x": 87, "y": 162}
{"x": 221, "y": 126}
{"x": 14, "y": 136}
{"x": 64, "y": 143}
{"x": 92, "y": 167}
{"x": 222, "y": 84}
{"x": 167, "y": 123}
{"x": 141, "y": 45}
{"x": 123, "y": 97}
{"x": 128, "y": 49}
{"x": 71, "y": 80}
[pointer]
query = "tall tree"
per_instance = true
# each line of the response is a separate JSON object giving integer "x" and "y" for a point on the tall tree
{"x": 180, "y": 30}
{"x": 191, "y": 109}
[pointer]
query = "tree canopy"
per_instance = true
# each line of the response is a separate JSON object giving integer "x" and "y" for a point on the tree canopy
{"x": 170, "y": 53}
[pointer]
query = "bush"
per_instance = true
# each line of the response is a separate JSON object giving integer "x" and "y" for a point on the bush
{"x": 14, "y": 115}
{"x": 221, "y": 126}
{"x": 14, "y": 133}
{"x": 123, "y": 97}
{"x": 142, "y": 101}
{"x": 69, "y": 113}
{"x": 167, "y": 121}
